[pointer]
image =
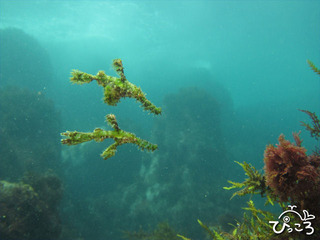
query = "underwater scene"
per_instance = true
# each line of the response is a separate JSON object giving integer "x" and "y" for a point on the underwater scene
{"x": 159, "y": 120}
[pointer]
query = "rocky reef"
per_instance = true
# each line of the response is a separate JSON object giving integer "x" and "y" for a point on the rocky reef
{"x": 291, "y": 179}
{"x": 24, "y": 62}
{"x": 184, "y": 179}
{"x": 29, "y": 210}
{"x": 29, "y": 129}
{"x": 30, "y": 189}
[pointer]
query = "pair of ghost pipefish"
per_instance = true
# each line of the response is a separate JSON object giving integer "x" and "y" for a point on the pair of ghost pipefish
{"x": 115, "y": 88}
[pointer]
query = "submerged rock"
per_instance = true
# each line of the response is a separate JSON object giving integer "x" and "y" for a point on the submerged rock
{"x": 27, "y": 214}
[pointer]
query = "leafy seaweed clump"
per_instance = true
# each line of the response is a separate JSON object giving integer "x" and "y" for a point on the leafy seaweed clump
{"x": 254, "y": 226}
{"x": 315, "y": 128}
{"x": 252, "y": 185}
{"x": 291, "y": 176}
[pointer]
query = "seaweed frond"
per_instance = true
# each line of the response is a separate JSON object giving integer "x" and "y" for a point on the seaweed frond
{"x": 313, "y": 67}
{"x": 254, "y": 226}
{"x": 254, "y": 184}
{"x": 183, "y": 237}
{"x": 212, "y": 233}
{"x": 315, "y": 128}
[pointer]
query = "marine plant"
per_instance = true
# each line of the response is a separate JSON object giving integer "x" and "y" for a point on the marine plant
{"x": 313, "y": 67}
{"x": 252, "y": 185}
{"x": 247, "y": 229}
{"x": 290, "y": 177}
{"x": 290, "y": 173}
{"x": 115, "y": 88}
{"x": 315, "y": 128}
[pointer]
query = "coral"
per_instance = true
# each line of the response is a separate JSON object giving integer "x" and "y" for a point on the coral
{"x": 290, "y": 173}
{"x": 119, "y": 136}
{"x": 27, "y": 213}
{"x": 115, "y": 88}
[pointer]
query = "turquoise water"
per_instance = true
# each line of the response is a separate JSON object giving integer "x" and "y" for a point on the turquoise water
{"x": 230, "y": 77}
